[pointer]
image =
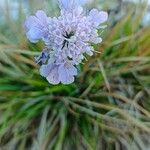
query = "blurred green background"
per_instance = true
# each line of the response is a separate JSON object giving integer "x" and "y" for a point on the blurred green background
{"x": 106, "y": 108}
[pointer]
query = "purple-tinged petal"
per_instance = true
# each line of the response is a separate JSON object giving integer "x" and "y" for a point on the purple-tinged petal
{"x": 42, "y": 18}
{"x": 66, "y": 73}
{"x": 41, "y": 14}
{"x": 66, "y": 4}
{"x": 72, "y": 70}
{"x": 98, "y": 17}
{"x": 53, "y": 77}
{"x": 30, "y": 21}
{"x": 71, "y": 4}
{"x": 78, "y": 11}
{"x": 37, "y": 26}
{"x": 34, "y": 35}
{"x": 46, "y": 69}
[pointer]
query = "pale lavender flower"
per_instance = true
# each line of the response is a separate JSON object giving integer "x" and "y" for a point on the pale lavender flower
{"x": 67, "y": 38}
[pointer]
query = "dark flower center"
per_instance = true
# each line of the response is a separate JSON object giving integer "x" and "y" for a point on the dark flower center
{"x": 67, "y": 36}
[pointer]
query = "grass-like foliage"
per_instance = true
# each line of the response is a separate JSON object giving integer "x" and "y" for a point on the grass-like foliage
{"x": 107, "y": 107}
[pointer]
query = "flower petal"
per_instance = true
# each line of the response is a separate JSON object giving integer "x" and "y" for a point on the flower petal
{"x": 41, "y": 16}
{"x": 36, "y": 26}
{"x": 66, "y": 4}
{"x": 53, "y": 77}
{"x": 71, "y": 4}
{"x": 46, "y": 69}
{"x": 34, "y": 34}
{"x": 72, "y": 70}
{"x": 66, "y": 74}
{"x": 30, "y": 21}
{"x": 98, "y": 17}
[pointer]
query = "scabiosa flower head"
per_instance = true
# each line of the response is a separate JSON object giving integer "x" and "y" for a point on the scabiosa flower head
{"x": 67, "y": 39}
